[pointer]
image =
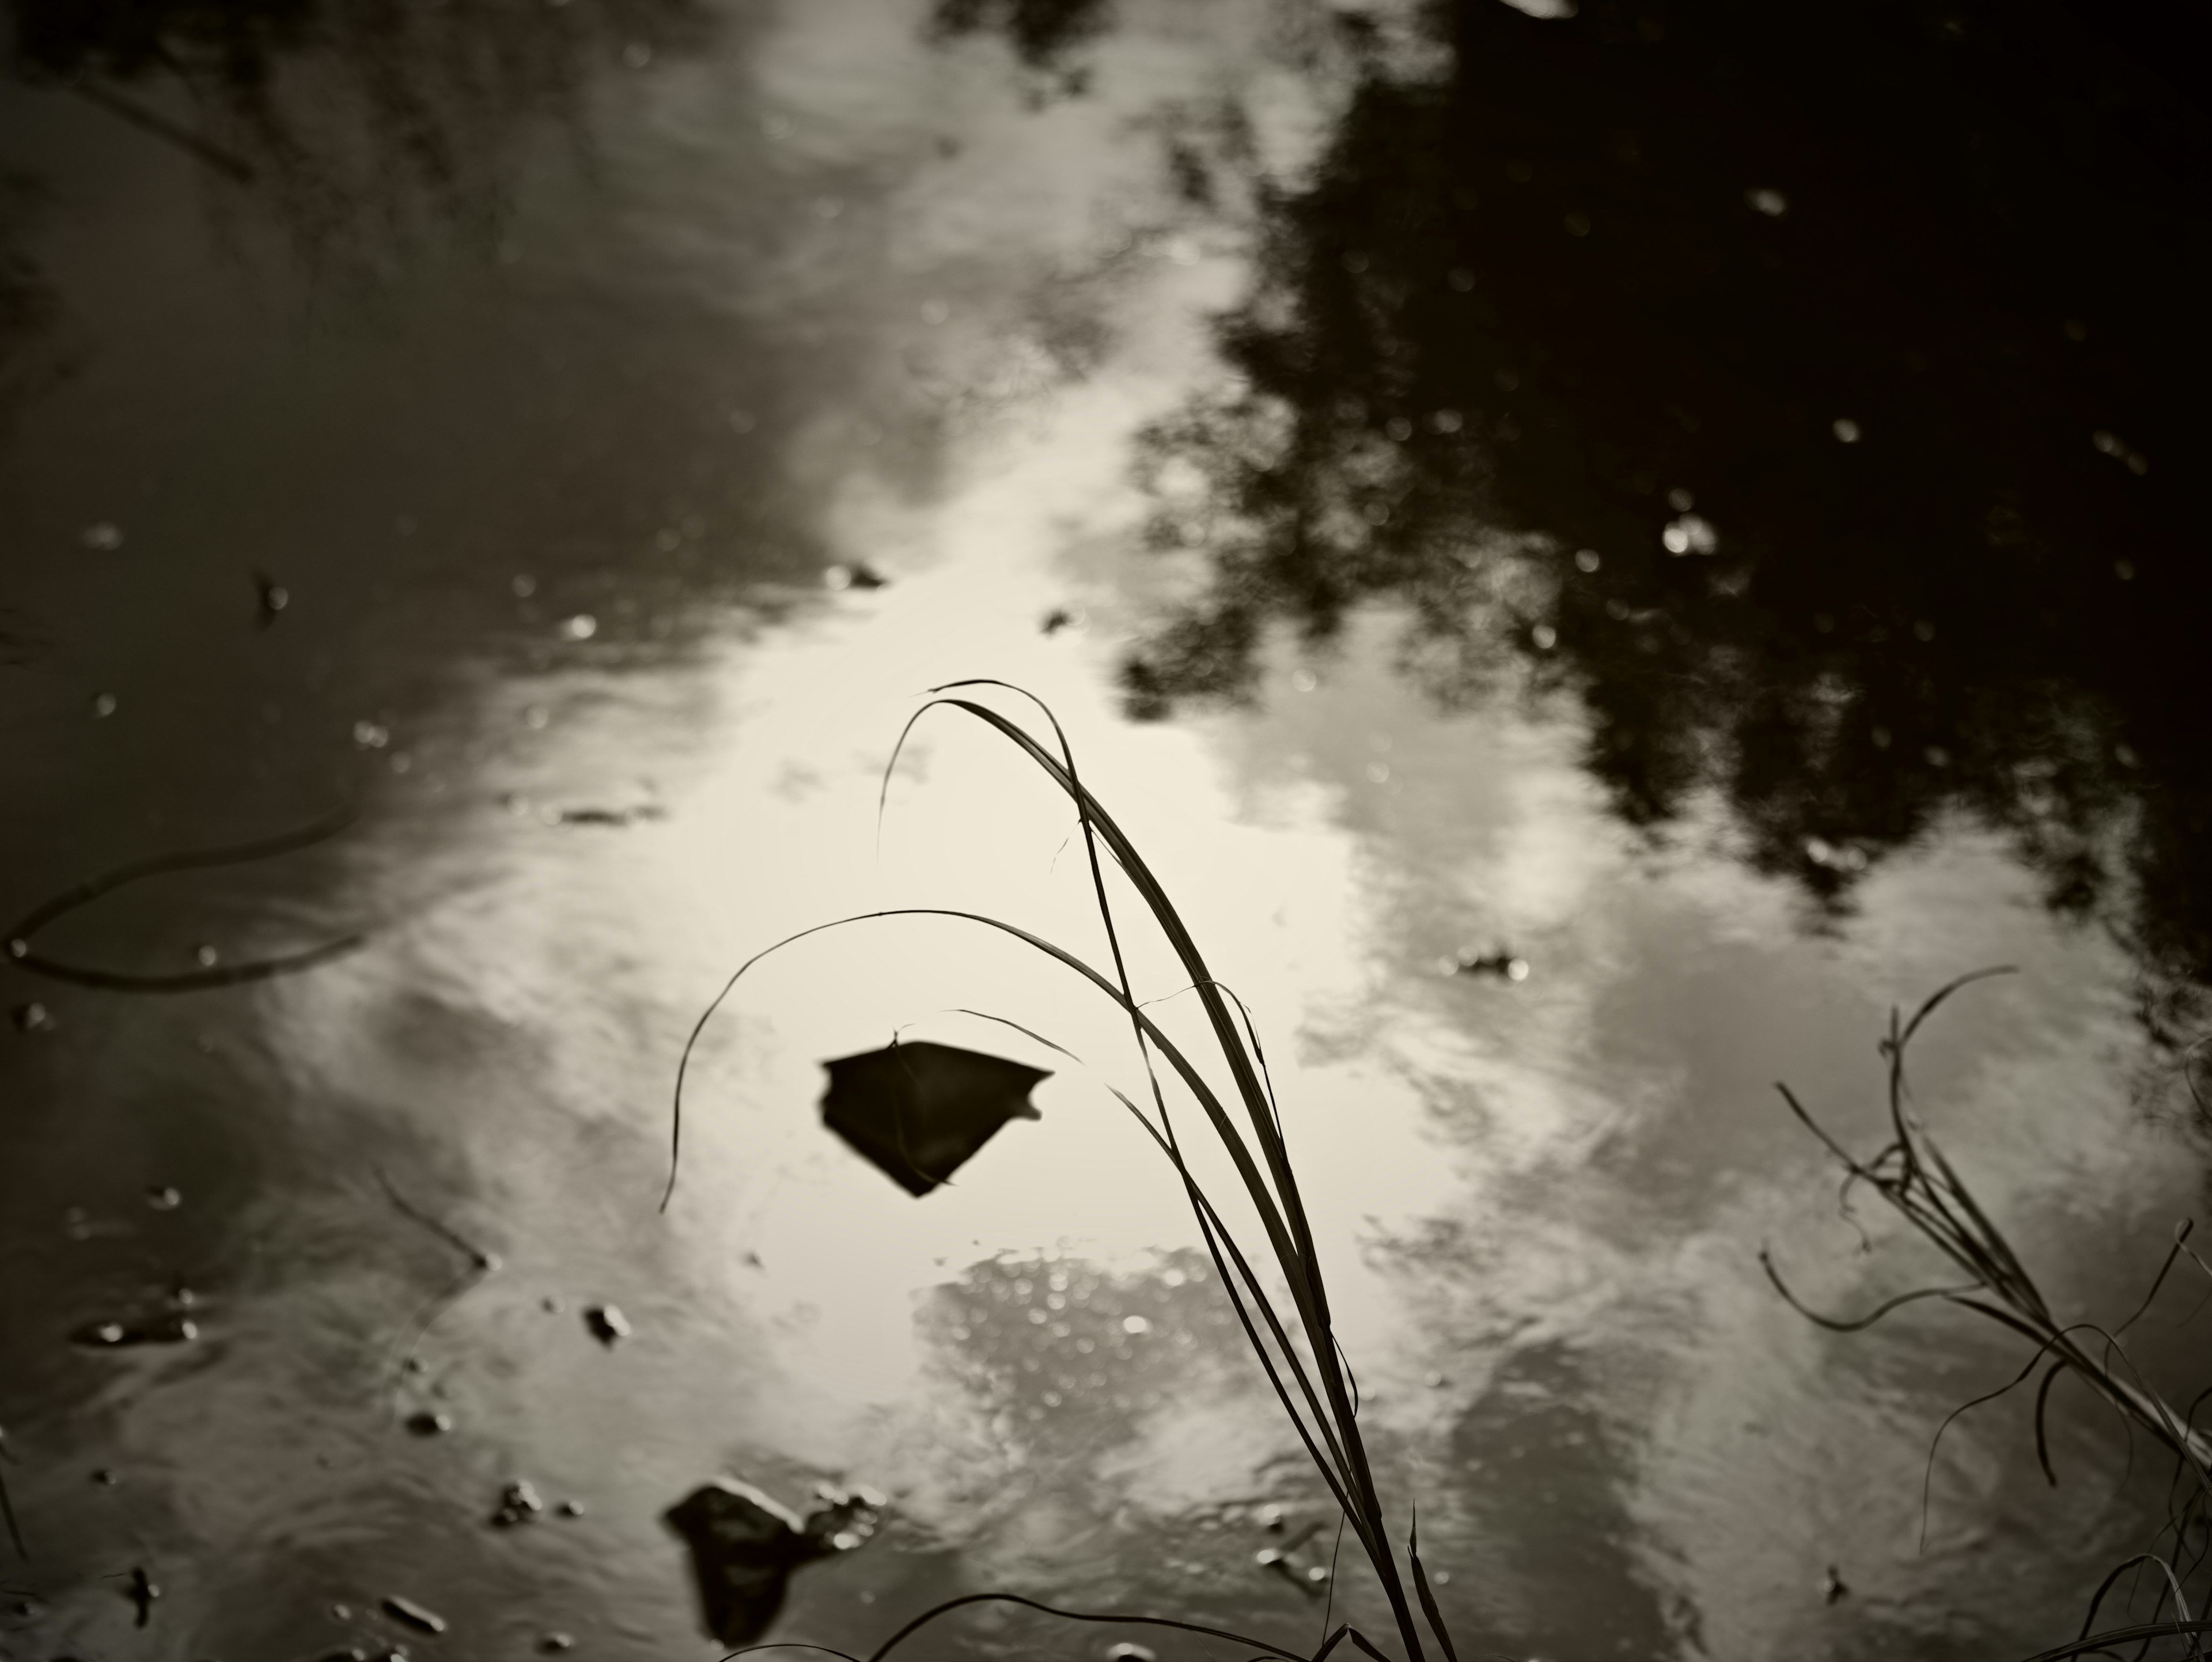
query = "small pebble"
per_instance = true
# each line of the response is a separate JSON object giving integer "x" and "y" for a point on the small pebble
{"x": 34, "y": 1017}
{"x": 606, "y": 1322}
{"x": 1126, "y": 1652}
{"x": 164, "y": 1199}
{"x": 518, "y": 1503}
{"x": 553, "y": 1643}
{"x": 105, "y": 1476}
{"x": 429, "y": 1423}
{"x": 570, "y": 1508}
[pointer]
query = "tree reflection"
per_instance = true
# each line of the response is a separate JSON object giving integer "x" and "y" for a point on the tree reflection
{"x": 349, "y": 118}
{"x": 1888, "y": 322}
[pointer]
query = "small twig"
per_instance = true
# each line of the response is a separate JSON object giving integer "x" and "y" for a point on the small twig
{"x": 482, "y": 1263}
{"x": 18, "y": 934}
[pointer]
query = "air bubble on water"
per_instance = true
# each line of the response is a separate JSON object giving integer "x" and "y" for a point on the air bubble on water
{"x": 1135, "y": 1324}
{"x": 1304, "y": 680}
{"x": 1446, "y": 420}
{"x": 2124, "y": 755}
{"x": 103, "y": 705}
{"x": 1378, "y": 773}
{"x": 637, "y": 54}
{"x": 1681, "y": 500}
{"x": 1937, "y": 756}
{"x": 1516, "y": 969}
{"x": 1461, "y": 279}
{"x": 106, "y": 536}
{"x": 1771, "y": 203}
{"x": 935, "y": 312}
{"x": 2124, "y": 570}
{"x": 1577, "y": 224}
{"x": 1690, "y": 534}
{"x": 524, "y": 586}
{"x": 1545, "y": 637}
{"x": 581, "y": 627}
{"x": 1847, "y": 431}
{"x": 1399, "y": 428}
{"x": 205, "y": 956}
{"x": 371, "y": 735}
{"x": 1586, "y": 559}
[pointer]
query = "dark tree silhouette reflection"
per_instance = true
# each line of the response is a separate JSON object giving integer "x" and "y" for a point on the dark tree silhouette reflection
{"x": 351, "y": 118}
{"x": 1813, "y": 390}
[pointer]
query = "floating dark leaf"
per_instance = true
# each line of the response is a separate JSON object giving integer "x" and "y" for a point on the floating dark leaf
{"x": 920, "y": 1110}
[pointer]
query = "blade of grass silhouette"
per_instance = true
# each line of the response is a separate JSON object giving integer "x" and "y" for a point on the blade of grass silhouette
{"x": 1210, "y": 1224}
{"x": 790, "y": 1645}
{"x": 1300, "y": 1263}
{"x": 2139, "y": 1633}
{"x": 1428, "y": 1593}
{"x": 936, "y": 1611}
{"x": 2180, "y": 1603}
{"x": 1275, "y": 1197}
{"x": 19, "y": 934}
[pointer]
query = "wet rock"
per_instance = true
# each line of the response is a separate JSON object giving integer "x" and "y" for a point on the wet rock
{"x": 1833, "y": 1589}
{"x": 105, "y": 1476}
{"x": 1126, "y": 1652}
{"x": 167, "y": 1328}
{"x": 570, "y": 1508}
{"x": 553, "y": 1643}
{"x": 164, "y": 1198}
{"x": 410, "y": 1614}
{"x": 428, "y": 1422}
{"x": 744, "y": 1545}
{"x": 34, "y": 1017}
{"x": 518, "y": 1503}
{"x": 607, "y": 1324}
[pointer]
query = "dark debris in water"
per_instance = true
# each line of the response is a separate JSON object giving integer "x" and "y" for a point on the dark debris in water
{"x": 744, "y": 1545}
{"x": 143, "y": 1591}
{"x": 429, "y": 1422}
{"x": 609, "y": 816}
{"x": 606, "y": 1323}
{"x": 168, "y": 1328}
{"x": 919, "y": 1112}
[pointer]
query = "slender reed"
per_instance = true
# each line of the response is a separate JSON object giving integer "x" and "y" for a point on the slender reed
{"x": 1912, "y": 1176}
{"x": 1298, "y": 1350}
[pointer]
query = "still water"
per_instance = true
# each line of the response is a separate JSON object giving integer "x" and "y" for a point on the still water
{"x": 1681, "y": 502}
